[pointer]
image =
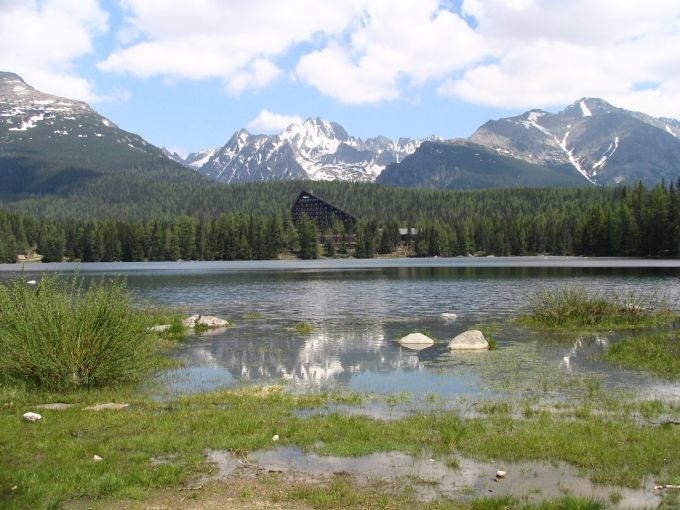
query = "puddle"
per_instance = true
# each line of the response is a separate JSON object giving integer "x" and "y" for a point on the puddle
{"x": 432, "y": 479}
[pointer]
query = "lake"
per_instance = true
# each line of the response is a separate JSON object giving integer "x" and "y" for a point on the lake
{"x": 359, "y": 308}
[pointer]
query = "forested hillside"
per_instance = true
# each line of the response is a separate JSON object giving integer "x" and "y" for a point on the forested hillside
{"x": 253, "y": 222}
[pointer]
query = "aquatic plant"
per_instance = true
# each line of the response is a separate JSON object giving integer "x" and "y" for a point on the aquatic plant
{"x": 578, "y": 307}
{"x": 303, "y": 327}
{"x": 60, "y": 335}
{"x": 658, "y": 353}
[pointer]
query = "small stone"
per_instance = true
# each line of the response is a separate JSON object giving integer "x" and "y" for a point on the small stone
{"x": 97, "y": 458}
{"x": 112, "y": 406}
{"x": 160, "y": 328}
{"x": 449, "y": 316}
{"x": 472, "y": 340}
{"x": 14, "y": 487}
{"x": 500, "y": 474}
{"x": 31, "y": 417}
{"x": 275, "y": 438}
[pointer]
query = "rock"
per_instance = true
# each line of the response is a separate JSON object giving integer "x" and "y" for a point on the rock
{"x": 500, "y": 474}
{"x": 472, "y": 340}
{"x": 416, "y": 341}
{"x": 275, "y": 438}
{"x": 57, "y": 406}
{"x": 204, "y": 320}
{"x": 161, "y": 328}
{"x": 113, "y": 406}
{"x": 31, "y": 282}
{"x": 31, "y": 417}
{"x": 97, "y": 458}
{"x": 449, "y": 316}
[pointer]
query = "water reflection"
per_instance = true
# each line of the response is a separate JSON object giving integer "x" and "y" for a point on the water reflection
{"x": 325, "y": 358}
{"x": 359, "y": 308}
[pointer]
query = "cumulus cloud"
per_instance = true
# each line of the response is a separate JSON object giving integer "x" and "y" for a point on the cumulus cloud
{"x": 39, "y": 40}
{"x": 270, "y": 123}
{"x": 234, "y": 41}
{"x": 551, "y": 53}
{"x": 404, "y": 42}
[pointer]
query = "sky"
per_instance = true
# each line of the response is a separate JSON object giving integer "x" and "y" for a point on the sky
{"x": 187, "y": 75}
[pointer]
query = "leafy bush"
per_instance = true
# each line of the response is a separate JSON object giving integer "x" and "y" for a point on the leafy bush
{"x": 59, "y": 335}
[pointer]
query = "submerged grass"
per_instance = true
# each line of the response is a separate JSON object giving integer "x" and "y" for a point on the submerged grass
{"x": 658, "y": 353}
{"x": 575, "y": 307}
{"x": 303, "y": 327}
{"x": 61, "y": 336}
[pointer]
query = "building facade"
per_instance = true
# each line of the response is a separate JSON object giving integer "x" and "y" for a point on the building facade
{"x": 319, "y": 210}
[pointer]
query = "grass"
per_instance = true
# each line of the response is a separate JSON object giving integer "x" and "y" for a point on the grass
{"x": 252, "y": 315}
{"x": 575, "y": 307}
{"x": 62, "y": 336}
{"x": 658, "y": 353}
{"x": 52, "y": 459}
{"x": 303, "y": 327}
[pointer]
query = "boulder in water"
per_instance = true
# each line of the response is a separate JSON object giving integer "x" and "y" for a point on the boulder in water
{"x": 471, "y": 340}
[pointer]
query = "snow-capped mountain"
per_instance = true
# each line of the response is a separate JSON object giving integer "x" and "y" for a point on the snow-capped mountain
{"x": 314, "y": 149}
{"x": 605, "y": 144}
{"x": 35, "y": 123}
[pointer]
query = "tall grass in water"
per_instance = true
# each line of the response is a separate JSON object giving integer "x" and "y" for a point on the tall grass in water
{"x": 60, "y": 335}
{"x": 577, "y": 307}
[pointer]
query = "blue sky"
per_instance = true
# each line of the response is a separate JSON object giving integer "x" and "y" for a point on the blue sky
{"x": 187, "y": 75}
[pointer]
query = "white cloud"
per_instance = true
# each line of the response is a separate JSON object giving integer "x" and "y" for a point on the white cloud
{"x": 271, "y": 123}
{"x": 40, "y": 41}
{"x": 551, "y": 53}
{"x": 411, "y": 41}
{"x": 234, "y": 41}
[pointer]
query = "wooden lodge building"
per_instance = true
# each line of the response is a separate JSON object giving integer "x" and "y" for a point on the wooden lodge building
{"x": 319, "y": 210}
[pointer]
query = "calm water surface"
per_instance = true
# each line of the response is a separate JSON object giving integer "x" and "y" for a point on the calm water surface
{"x": 359, "y": 308}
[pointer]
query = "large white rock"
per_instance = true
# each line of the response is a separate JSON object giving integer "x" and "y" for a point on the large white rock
{"x": 204, "y": 320}
{"x": 472, "y": 340}
{"x": 416, "y": 341}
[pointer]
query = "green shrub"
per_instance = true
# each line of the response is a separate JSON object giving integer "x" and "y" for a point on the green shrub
{"x": 59, "y": 335}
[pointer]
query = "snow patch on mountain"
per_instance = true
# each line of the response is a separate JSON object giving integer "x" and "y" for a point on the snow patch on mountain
{"x": 584, "y": 109}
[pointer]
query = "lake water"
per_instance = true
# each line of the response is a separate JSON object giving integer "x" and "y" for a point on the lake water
{"x": 359, "y": 308}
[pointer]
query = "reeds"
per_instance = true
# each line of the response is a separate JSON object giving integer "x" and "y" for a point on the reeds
{"x": 577, "y": 307}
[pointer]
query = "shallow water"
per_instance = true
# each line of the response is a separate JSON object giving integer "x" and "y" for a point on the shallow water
{"x": 433, "y": 478}
{"x": 359, "y": 308}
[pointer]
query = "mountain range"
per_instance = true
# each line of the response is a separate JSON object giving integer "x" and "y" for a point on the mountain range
{"x": 49, "y": 143}
{"x": 314, "y": 149}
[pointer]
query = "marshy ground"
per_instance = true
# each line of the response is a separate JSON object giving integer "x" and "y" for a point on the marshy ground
{"x": 565, "y": 439}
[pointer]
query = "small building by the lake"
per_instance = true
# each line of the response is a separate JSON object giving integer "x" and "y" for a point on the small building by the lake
{"x": 319, "y": 210}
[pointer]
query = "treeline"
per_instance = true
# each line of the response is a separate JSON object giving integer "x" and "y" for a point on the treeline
{"x": 636, "y": 222}
{"x": 625, "y": 221}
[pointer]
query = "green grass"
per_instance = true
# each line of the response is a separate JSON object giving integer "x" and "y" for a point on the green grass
{"x": 52, "y": 462}
{"x": 575, "y": 307}
{"x": 62, "y": 336}
{"x": 658, "y": 353}
{"x": 303, "y": 327}
{"x": 252, "y": 315}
